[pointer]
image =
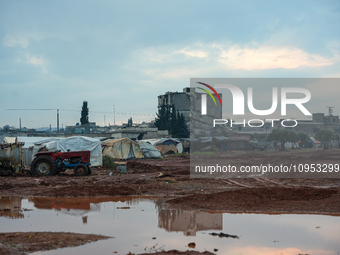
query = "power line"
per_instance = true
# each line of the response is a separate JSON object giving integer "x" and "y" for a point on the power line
{"x": 31, "y": 109}
{"x": 100, "y": 112}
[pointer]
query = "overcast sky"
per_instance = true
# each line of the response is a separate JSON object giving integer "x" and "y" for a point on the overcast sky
{"x": 56, "y": 54}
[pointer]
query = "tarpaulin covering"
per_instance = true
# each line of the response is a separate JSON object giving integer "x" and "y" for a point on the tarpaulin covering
{"x": 149, "y": 151}
{"x": 122, "y": 148}
{"x": 166, "y": 145}
{"x": 74, "y": 143}
{"x": 83, "y": 143}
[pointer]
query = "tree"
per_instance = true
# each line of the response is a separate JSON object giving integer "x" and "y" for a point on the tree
{"x": 170, "y": 119}
{"x": 303, "y": 139}
{"x": 129, "y": 122}
{"x": 325, "y": 136}
{"x": 84, "y": 114}
{"x": 6, "y": 128}
{"x": 337, "y": 137}
{"x": 180, "y": 129}
{"x": 163, "y": 117}
{"x": 293, "y": 137}
{"x": 173, "y": 119}
{"x": 282, "y": 136}
{"x": 257, "y": 136}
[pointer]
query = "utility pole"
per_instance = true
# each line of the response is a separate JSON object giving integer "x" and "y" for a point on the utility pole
{"x": 114, "y": 115}
{"x": 58, "y": 121}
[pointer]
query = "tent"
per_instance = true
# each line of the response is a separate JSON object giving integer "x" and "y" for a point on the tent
{"x": 83, "y": 143}
{"x": 149, "y": 150}
{"x": 9, "y": 139}
{"x": 166, "y": 145}
{"x": 122, "y": 148}
{"x": 74, "y": 143}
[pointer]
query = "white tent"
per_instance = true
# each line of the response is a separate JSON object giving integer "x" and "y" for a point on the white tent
{"x": 149, "y": 150}
{"x": 166, "y": 144}
{"x": 83, "y": 143}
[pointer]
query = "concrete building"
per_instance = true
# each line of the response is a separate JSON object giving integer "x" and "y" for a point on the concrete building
{"x": 189, "y": 103}
{"x": 181, "y": 101}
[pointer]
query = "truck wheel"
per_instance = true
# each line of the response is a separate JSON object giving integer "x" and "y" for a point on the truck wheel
{"x": 43, "y": 165}
{"x": 89, "y": 170}
{"x": 80, "y": 170}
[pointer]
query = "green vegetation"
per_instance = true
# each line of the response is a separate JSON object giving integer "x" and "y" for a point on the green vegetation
{"x": 325, "y": 136}
{"x": 84, "y": 114}
{"x": 257, "y": 136}
{"x": 109, "y": 162}
{"x": 173, "y": 121}
{"x": 283, "y": 135}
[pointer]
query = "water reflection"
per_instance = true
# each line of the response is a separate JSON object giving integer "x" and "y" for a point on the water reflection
{"x": 10, "y": 207}
{"x": 68, "y": 206}
{"x": 79, "y": 207}
{"x": 189, "y": 222}
{"x": 134, "y": 222}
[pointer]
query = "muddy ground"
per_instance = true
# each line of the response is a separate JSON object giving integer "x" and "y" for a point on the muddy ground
{"x": 27, "y": 242}
{"x": 175, "y": 252}
{"x": 169, "y": 179}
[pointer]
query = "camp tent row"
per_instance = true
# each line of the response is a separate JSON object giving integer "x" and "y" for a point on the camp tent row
{"x": 122, "y": 148}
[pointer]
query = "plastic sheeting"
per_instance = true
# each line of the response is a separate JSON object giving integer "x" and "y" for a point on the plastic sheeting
{"x": 122, "y": 148}
{"x": 165, "y": 145}
{"x": 74, "y": 143}
{"x": 149, "y": 151}
{"x": 83, "y": 143}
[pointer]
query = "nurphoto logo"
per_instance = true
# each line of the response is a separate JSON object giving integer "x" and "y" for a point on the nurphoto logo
{"x": 239, "y": 98}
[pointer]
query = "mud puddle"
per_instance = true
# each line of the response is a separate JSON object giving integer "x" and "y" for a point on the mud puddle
{"x": 140, "y": 225}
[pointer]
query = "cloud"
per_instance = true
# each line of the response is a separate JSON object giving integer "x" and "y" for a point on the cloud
{"x": 205, "y": 59}
{"x": 176, "y": 73}
{"x": 34, "y": 60}
{"x": 194, "y": 53}
{"x": 270, "y": 57}
{"x": 28, "y": 38}
{"x": 12, "y": 40}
